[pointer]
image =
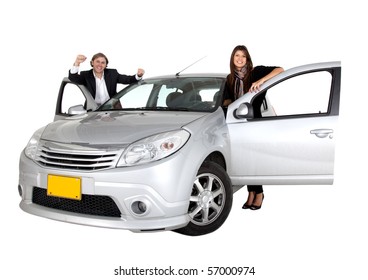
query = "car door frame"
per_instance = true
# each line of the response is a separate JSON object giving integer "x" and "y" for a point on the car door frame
{"x": 90, "y": 104}
{"x": 256, "y": 172}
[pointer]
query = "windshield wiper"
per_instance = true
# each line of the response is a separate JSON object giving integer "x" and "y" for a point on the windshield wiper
{"x": 158, "y": 108}
{"x": 178, "y": 109}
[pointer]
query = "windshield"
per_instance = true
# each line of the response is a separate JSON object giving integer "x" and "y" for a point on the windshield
{"x": 199, "y": 94}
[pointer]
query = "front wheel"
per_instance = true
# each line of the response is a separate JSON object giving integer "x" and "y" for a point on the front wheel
{"x": 210, "y": 201}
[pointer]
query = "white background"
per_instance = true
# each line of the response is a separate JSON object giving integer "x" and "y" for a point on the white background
{"x": 301, "y": 232}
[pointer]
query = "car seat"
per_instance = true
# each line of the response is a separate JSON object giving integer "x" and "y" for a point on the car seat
{"x": 173, "y": 100}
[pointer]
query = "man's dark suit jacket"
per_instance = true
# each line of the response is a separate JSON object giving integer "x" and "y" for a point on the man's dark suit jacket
{"x": 111, "y": 76}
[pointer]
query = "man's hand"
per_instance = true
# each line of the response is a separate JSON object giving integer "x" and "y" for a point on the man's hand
{"x": 80, "y": 59}
{"x": 140, "y": 72}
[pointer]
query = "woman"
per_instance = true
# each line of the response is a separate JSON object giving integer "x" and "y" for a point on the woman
{"x": 244, "y": 78}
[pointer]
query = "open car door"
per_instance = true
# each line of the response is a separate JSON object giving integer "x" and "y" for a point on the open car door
{"x": 294, "y": 140}
{"x": 73, "y": 99}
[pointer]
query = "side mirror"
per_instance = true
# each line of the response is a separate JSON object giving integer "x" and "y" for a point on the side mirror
{"x": 244, "y": 111}
{"x": 77, "y": 110}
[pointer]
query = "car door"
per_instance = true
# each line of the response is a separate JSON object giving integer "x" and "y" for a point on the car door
{"x": 294, "y": 140}
{"x": 73, "y": 99}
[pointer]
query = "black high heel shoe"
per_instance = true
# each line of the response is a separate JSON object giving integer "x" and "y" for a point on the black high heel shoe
{"x": 248, "y": 206}
{"x": 256, "y": 207}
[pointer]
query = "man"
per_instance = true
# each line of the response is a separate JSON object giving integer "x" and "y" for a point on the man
{"x": 100, "y": 81}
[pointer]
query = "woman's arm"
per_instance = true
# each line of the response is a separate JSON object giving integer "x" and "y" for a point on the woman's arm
{"x": 255, "y": 86}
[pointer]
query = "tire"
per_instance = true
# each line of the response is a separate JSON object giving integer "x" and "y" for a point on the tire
{"x": 210, "y": 201}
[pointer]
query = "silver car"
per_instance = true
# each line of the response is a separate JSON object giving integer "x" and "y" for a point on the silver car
{"x": 164, "y": 155}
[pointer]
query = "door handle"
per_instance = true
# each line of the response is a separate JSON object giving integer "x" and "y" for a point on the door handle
{"x": 322, "y": 133}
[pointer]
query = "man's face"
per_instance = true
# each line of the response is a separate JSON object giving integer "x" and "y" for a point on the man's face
{"x": 99, "y": 65}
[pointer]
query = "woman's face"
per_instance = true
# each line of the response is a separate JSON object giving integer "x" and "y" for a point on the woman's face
{"x": 99, "y": 65}
{"x": 239, "y": 59}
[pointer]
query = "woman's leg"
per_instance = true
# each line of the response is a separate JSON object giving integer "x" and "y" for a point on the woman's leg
{"x": 255, "y": 188}
{"x": 258, "y": 198}
{"x": 252, "y": 190}
{"x": 251, "y": 195}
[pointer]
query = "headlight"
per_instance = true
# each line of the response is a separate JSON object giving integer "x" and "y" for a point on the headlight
{"x": 154, "y": 148}
{"x": 32, "y": 145}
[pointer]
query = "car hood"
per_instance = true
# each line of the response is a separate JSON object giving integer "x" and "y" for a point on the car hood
{"x": 116, "y": 127}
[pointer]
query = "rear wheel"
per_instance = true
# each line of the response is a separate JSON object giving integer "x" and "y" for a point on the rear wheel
{"x": 210, "y": 201}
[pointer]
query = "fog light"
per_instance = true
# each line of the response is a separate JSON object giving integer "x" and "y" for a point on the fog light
{"x": 139, "y": 207}
{"x": 20, "y": 190}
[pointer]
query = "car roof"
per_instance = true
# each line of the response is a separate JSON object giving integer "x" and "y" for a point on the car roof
{"x": 190, "y": 75}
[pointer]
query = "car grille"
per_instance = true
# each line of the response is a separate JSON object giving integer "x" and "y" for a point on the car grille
{"x": 96, "y": 205}
{"x": 77, "y": 157}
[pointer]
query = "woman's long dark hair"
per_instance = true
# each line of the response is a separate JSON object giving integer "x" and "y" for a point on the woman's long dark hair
{"x": 248, "y": 65}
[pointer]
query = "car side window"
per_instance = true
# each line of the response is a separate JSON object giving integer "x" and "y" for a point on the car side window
{"x": 72, "y": 96}
{"x": 304, "y": 94}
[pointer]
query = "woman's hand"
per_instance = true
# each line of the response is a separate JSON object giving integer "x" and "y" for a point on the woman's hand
{"x": 255, "y": 86}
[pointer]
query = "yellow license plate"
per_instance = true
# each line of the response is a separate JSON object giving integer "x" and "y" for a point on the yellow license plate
{"x": 66, "y": 187}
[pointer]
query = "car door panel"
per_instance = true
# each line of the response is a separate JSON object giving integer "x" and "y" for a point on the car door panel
{"x": 287, "y": 149}
{"x": 283, "y": 151}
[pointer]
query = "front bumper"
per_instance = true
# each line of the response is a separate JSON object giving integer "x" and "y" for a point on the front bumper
{"x": 162, "y": 186}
